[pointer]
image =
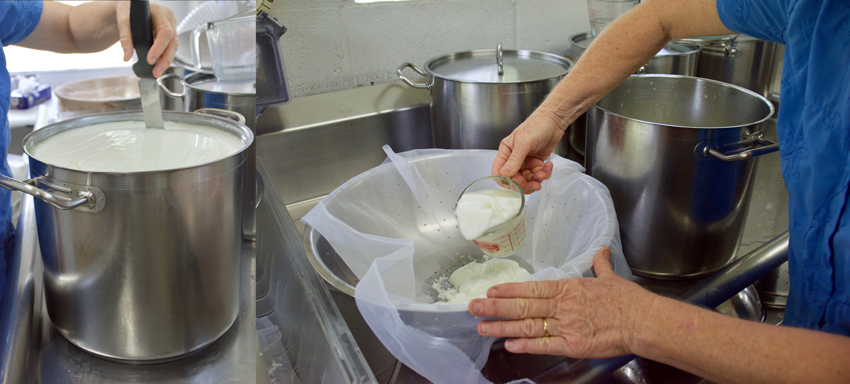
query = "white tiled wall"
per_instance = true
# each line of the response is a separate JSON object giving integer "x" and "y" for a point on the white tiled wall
{"x": 333, "y": 45}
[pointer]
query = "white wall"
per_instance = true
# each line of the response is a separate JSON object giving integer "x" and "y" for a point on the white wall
{"x": 332, "y": 45}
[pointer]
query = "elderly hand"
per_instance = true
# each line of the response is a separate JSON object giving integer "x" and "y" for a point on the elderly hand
{"x": 585, "y": 317}
{"x": 164, "y": 32}
{"x": 522, "y": 155}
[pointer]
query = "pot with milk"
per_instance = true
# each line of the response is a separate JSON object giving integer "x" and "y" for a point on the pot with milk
{"x": 139, "y": 230}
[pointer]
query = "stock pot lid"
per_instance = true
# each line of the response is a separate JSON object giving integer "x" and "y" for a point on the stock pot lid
{"x": 480, "y": 66}
{"x": 209, "y": 83}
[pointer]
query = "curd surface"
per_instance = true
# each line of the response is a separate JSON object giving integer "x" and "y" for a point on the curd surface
{"x": 474, "y": 279}
{"x": 129, "y": 146}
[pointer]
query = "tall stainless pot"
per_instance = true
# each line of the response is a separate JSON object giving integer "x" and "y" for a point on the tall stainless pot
{"x": 736, "y": 59}
{"x": 673, "y": 59}
{"x": 139, "y": 266}
{"x": 479, "y": 97}
{"x": 677, "y": 154}
{"x": 203, "y": 90}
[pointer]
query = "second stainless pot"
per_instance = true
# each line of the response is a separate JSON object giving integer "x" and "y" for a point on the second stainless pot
{"x": 479, "y": 97}
{"x": 736, "y": 59}
{"x": 677, "y": 154}
{"x": 140, "y": 266}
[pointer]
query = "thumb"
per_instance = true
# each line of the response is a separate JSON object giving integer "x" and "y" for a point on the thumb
{"x": 602, "y": 263}
{"x": 515, "y": 160}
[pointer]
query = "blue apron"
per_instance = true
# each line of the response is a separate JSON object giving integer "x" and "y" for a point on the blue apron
{"x": 814, "y": 139}
{"x": 17, "y": 21}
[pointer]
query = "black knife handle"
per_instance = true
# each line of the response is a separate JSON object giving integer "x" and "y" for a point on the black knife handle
{"x": 140, "y": 28}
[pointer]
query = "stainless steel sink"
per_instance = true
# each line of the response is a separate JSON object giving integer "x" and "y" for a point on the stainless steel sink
{"x": 315, "y": 144}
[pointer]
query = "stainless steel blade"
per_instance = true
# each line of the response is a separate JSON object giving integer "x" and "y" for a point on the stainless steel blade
{"x": 151, "y": 107}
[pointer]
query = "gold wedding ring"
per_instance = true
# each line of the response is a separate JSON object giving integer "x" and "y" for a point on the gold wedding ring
{"x": 545, "y": 328}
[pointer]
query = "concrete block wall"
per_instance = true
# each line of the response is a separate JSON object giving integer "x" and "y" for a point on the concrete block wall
{"x": 333, "y": 45}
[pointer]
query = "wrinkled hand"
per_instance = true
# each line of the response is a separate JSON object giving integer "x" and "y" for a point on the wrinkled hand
{"x": 585, "y": 317}
{"x": 164, "y": 34}
{"x": 522, "y": 155}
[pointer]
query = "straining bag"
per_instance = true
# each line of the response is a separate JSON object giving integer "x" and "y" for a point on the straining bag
{"x": 394, "y": 226}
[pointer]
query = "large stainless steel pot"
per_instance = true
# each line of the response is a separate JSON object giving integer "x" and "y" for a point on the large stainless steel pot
{"x": 677, "y": 154}
{"x": 140, "y": 266}
{"x": 673, "y": 59}
{"x": 203, "y": 90}
{"x": 479, "y": 97}
{"x": 736, "y": 59}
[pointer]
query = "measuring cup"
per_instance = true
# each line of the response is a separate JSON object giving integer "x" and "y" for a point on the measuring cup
{"x": 604, "y": 12}
{"x": 506, "y": 238}
{"x": 232, "y": 47}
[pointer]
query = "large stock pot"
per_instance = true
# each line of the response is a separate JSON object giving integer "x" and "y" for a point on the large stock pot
{"x": 479, "y": 97}
{"x": 140, "y": 266}
{"x": 678, "y": 155}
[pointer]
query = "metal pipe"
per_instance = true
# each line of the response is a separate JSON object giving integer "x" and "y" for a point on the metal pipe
{"x": 713, "y": 291}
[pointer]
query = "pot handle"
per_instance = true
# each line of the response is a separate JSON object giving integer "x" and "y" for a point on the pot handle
{"x": 499, "y": 58}
{"x": 415, "y": 69}
{"x": 642, "y": 70}
{"x": 86, "y": 199}
{"x": 763, "y": 147}
{"x": 222, "y": 113}
{"x": 160, "y": 82}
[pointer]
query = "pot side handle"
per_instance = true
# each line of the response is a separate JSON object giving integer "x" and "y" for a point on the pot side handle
{"x": 160, "y": 81}
{"x": 763, "y": 147}
{"x": 236, "y": 116}
{"x": 85, "y": 199}
{"x": 417, "y": 70}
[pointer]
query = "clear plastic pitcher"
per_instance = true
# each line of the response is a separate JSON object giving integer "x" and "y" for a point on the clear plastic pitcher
{"x": 232, "y": 47}
{"x": 604, "y": 12}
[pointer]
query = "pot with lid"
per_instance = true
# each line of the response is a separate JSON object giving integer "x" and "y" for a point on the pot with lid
{"x": 140, "y": 252}
{"x": 677, "y": 154}
{"x": 479, "y": 97}
{"x": 736, "y": 59}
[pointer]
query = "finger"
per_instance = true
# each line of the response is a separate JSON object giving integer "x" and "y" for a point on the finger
{"x": 602, "y": 263}
{"x": 545, "y": 173}
{"x": 125, "y": 37}
{"x": 512, "y": 308}
{"x": 536, "y": 346}
{"x": 517, "y": 328}
{"x": 516, "y": 158}
{"x": 531, "y": 289}
{"x": 163, "y": 34}
{"x": 531, "y": 187}
{"x": 165, "y": 61}
{"x": 502, "y": 157}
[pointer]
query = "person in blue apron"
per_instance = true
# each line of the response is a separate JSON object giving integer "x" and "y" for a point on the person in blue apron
{"x": 90, "y": 27}
{"x": 610, "y": 316}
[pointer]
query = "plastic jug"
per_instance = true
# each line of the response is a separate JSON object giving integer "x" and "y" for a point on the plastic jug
{"x": 232, "y": 47}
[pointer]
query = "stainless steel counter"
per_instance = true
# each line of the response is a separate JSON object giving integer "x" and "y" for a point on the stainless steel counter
{"x": 33, "y": 351}
{"x": 315, "y": 144}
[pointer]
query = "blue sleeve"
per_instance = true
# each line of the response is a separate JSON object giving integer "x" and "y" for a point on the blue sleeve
{"x": 18, "y": 19}
{"x": 762, "y": 19}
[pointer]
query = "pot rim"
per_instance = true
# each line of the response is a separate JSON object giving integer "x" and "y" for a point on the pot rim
{"x": 247, "y": 138}
{"x": 519, "y": 52}
{"x": 580, "y": 37}
{"x": 698, "y": 79}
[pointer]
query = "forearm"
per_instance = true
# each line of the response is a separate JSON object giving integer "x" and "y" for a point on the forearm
{"x": 727, "y": 350}
{"x": 89, "y": 27}
{"x": 623, "y": 47}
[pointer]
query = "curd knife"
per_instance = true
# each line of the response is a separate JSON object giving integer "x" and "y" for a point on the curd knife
{"x": 140, "y": 27}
